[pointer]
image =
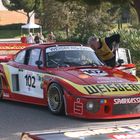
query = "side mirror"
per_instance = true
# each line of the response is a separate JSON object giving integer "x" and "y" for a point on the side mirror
{"x": 39, "y": 63}
{"x": 120, "y": 61}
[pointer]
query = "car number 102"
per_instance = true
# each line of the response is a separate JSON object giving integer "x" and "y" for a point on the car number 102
{"x": 30, "y": 81}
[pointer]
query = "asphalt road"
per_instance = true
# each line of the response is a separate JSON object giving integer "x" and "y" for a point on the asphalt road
{"x": 16, "y": 118}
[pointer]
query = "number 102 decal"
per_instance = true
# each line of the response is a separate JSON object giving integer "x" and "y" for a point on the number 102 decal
{"x": 30, "y": 81}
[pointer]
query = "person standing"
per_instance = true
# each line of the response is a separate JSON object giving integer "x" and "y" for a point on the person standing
{"x": 23, "y": 39}
{"x": 51, "y": 37}
{"x": 30, "y": 38}
{"x": 105, "y": 48}
{"x": 37, "y": 38}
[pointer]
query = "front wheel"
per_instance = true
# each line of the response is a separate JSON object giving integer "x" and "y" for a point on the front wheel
{"x": 55, "y": 99}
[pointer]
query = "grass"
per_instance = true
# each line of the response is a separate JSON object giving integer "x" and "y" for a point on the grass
{"x": 9, "y": 33}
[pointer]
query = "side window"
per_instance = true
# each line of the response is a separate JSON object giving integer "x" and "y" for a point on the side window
{"x": 20, "y": 57}
{"x": 34, "y": 56}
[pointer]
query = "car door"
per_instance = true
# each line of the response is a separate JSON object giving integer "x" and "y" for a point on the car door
{"x": 24, "y": 76}
{"x": 12, "y": 72}
{"x": 30, "y": 76}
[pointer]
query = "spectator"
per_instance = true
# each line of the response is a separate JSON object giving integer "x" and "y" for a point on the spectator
{"x": 23, "y": 39}
{"x": 42, "y": 39}
{"x": 51, "y": 37}
{"x": 37, "y": 38}
{"x": 105, "y": 48}
{"x": 30, "y": 38}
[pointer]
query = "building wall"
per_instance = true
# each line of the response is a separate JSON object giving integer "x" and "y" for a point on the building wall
{"x": 11, "y": 17}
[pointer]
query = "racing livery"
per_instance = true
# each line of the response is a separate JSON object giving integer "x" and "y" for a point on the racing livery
{"x": 70, "y": 79}
{"x": 126, "y": 132}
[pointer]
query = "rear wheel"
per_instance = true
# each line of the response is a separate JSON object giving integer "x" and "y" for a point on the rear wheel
{"x": 1, "y": 86}
{"x": 55, "y": 99}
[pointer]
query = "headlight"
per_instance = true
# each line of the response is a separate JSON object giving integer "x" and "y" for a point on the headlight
{"x": 92, "y": 106}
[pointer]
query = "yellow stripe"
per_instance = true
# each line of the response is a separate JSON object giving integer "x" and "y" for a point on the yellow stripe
{"x": 8, "y": 76}
{"x": 114, "y": 89}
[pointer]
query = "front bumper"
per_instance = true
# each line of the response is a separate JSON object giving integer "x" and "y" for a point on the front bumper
{"x": 107, "y": 108}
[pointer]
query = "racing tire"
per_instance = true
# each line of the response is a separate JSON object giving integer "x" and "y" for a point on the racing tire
{"x": 1, "y": 88}
{"x": 56, "y": 99}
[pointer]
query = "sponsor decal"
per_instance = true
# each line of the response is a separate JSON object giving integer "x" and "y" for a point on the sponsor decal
{"x": 102, "y": 88}
{"x": 109, "y": 80}
{"x": 94, "y": 72}
{"x": 6, "y": 95}
{"x": 117, "y": 133}
{"x": 108, "y": 89}
{"x": 127, "y": 100}
{"x": 66, "y": 48}
{"x": 78, "y": 107}
{"x": 127, "y": 136}
{"x": 40, "y": 77}
{"x": 91, "y": 132}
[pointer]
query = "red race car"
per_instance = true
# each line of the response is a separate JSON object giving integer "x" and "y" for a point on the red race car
{"x": 70, "y": 79}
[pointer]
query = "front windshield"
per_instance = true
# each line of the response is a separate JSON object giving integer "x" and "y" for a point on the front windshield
{"x": 68, "y": 56}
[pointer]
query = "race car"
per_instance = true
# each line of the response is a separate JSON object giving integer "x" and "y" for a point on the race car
{"x": 71, "y": 80}
{"x": 122, "y": 132}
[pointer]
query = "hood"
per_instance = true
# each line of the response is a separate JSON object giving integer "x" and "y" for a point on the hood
{"x": 96, "y": 75}
{"x": 100, "y": 81}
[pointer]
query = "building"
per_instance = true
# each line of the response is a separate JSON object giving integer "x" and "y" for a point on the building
{"x": 11, "y": 17}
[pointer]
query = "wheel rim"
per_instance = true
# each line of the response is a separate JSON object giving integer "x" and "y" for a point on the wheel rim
{"x": 54, "y": 99}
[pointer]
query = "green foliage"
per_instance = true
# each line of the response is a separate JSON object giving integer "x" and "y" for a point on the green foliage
{"x": 131, "y": 39}
{"x": 11, "y": 27}
{"x": 9, "y": 34}
{"x": 77, "y": 20}
{"x": 12, "y": 4}
{"x": 26, "y": 5}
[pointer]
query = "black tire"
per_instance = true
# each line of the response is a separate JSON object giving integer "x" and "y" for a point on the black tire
{"x": 1, "y": 88}
{"x": 55, "y": 99}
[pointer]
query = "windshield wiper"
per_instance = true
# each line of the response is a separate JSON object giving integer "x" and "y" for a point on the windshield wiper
{"x": 58, "y": 64}
{"x": 72, "y": 63}
{"x": 92, "y": 64}
{"x": 54, "y": 62}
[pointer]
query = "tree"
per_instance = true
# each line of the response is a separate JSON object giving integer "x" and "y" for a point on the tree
{"x": 28, "y": 6}
{"x": 134, "y": 3}
{"x": 75, "y": 20}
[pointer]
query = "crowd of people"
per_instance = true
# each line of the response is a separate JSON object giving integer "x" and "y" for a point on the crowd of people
{"x": 37, "y": 38}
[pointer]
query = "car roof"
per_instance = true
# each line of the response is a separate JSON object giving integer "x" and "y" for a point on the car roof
{"x": 45, "y": 45}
